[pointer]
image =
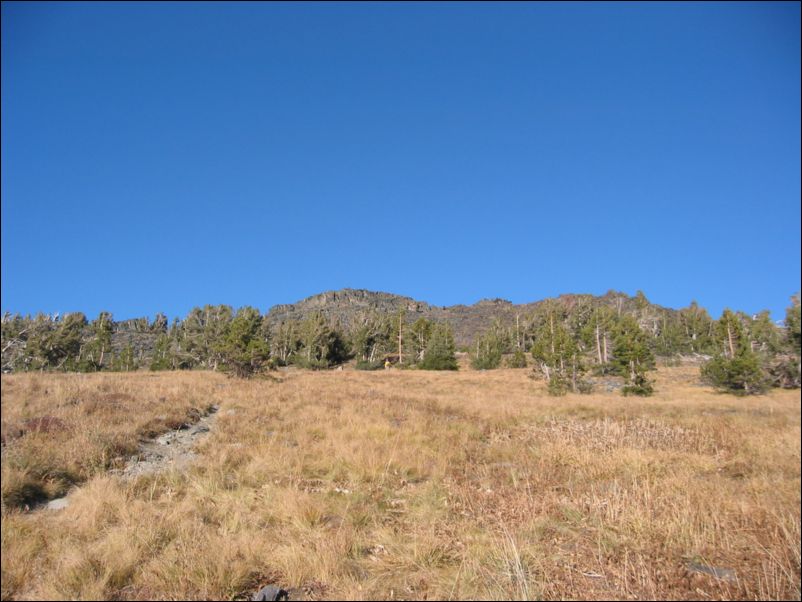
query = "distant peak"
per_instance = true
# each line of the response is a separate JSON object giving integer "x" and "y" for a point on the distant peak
{"x": 496, "y": 301}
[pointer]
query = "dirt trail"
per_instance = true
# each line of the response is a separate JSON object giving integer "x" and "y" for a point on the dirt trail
{"x": 170, "y": 450}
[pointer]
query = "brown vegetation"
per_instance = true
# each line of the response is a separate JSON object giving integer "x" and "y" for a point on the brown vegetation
{"x": 400, "y": 484}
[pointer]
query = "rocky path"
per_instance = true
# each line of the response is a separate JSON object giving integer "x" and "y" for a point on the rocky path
{"x": 171, "y": 450}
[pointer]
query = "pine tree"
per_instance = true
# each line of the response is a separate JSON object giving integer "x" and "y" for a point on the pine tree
{"x": 596, "y": 334}
{"x": 243, "y": 349}
{"x": 371, "y": 339}
{"x": 162, "y": 355}
{"x": 440, "y": 350}
{"x": 741, "y": 374}
{"x": 632, "y": 357}
{"x": 557, "y": 354}
{"x": 785, "y": 366}
{"x": 202, "y": 331}
{"x": 14, "y": 336}
{"x": 670, "y": 340}
{"x": 764, "y": 336}
{"x": 124, "y": 361}
{"x": 417, "y": 337}
{"x": 517, "y": 359}
{"x": 321, "y": 344}
{"x": 698, "y": 327}
{"x": 38, "y": 342}
{"x": 69, "y": 340}
{"x": 488, "y": 350}
{"x": 792, "y": 325}
{"x": 285, "y": 342}
{"x": 94, "y": 352}
{"x": 54, "y": 343}
{"x": 735, "y": 368}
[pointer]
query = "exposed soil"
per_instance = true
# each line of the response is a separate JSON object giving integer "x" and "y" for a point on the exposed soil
{"x": 172, "y": 449}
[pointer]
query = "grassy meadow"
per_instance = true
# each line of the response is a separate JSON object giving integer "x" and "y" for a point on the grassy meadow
{"x": 399, "y": 485}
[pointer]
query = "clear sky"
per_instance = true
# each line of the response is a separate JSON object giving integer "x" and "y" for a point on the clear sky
{"x": 158, "y": 156}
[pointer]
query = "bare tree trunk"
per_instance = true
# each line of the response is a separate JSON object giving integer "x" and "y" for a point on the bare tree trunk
{"x": 605, "y": 347}
{"x": 598, "y": 344}
{"x": 400, "y": 324}
{"x": 729, "y": 339}
{"x": 573, "y": 374}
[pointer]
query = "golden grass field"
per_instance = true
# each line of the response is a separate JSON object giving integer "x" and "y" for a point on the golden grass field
{"x": 400, "y": 485}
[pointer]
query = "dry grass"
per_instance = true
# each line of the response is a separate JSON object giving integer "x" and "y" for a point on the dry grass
{"x": 393, "y": 485}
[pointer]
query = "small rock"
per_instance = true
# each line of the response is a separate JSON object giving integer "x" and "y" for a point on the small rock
{"x": 376, "y": 550}
{"x": 58, "y": 504}
{"x": 332, "y": 520}
{"x": 718, "y": 573}
{"x": 271, "y": 592}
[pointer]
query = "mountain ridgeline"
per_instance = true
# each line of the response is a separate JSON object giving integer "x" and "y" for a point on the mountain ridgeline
{"x": 563, "y": 337}
{"x": 348, "y": 307}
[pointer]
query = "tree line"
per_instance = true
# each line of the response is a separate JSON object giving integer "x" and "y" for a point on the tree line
{"x": 566, "y": 343}
{"x": 241, "y": 342}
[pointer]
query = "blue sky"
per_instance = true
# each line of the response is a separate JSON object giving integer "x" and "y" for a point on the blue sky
{"x": 157, "y": 156}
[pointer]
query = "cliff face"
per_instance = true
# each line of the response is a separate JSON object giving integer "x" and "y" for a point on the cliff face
{"x": 347, "y": 305}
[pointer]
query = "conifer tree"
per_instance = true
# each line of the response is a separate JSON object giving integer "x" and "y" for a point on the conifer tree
{"x": 785, "y": 366}
{"x": 14, "y": 336}
{"x": 162, "y": 356}
{"x": 670, "y": 339}
{"x": 285, "y": 342}
{"x": 792, "y": 325}
{"x": 698, "y": 327}
{"x": 596, "y": 334}
{"x": 440, "y": 349}
{"x": 202, "y": 331}
{"x": 160, "y": 323}
{"x": 321, "y": 344}
{"x": 38, "y": 343}
{"x": 99, "y": 345}
{"x": 557, "y": 354}
{"x": 243, "y": 349}
{"x": 417, "y": 337}
{"x": 517, "y": 359}
{"x": 54, "y": 343}
{"x": 69, "y": 340}
{"x": 124, "y": 361}
{"x": 735, "y": 368}
{"x": 632, "y": 357}
{"x": 488, "y": 349}
{"x": 371, "y": 339}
